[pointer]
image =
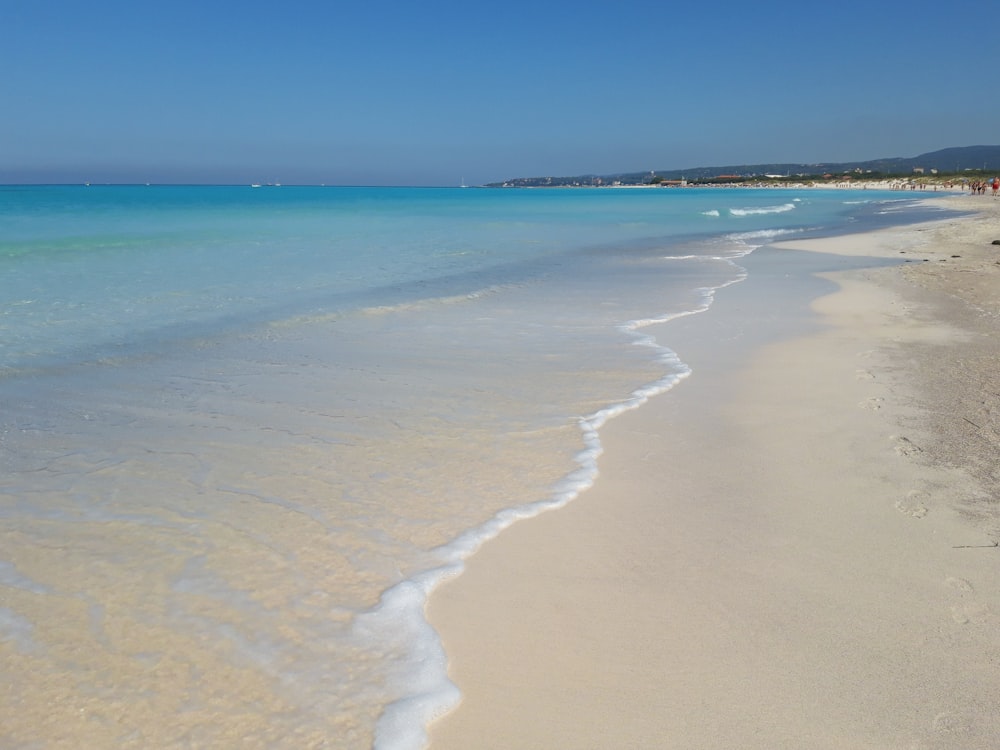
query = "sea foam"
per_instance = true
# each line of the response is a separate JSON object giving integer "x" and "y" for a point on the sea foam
{"x": 762, "y": 211}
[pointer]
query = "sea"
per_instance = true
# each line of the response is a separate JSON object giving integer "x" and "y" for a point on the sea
{"x": 245, "y": 431}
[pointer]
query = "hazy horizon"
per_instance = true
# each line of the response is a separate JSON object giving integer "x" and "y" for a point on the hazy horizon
{"x": 444, "y": 93}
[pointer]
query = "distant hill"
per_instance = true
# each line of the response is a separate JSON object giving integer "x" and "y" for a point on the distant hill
{"x": 948, "y": 160}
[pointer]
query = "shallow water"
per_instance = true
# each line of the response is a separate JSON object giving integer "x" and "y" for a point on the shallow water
{"x": 244, "y": 432}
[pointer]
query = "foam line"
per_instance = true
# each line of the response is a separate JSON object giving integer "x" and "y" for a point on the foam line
{"x": 400, "y": 614}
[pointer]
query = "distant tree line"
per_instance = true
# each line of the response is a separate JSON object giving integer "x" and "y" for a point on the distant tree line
{"x": 965, "y": 162}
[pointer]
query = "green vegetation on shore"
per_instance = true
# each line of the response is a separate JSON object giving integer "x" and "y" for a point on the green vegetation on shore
{"x": 968, "y": 163}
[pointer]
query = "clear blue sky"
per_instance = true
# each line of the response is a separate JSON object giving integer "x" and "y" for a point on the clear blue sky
{"x": 434, "y": 91}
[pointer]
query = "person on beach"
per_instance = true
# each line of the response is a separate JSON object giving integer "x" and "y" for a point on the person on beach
{"x": 996, "y": 186}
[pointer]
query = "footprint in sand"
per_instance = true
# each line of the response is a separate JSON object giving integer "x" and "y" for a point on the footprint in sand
{"x": 874, "y": 403}
{"x": 958, "y": 583}
{"x": 950, "y": 721}
{"x": 968, "y": 611}
{"x": 864, "y": 374}
{"x": 973, "y": 613}
{"x": 905, "y": 446}
{"x": 913, "y": 504}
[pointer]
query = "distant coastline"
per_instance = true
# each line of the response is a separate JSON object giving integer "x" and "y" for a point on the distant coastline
{"x": 934, "y": 183}
{"x": 951, "y": 165}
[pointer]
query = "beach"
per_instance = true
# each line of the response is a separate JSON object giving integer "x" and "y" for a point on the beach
{"x": 795, "y": 547}
{"x": 247, "y": 433}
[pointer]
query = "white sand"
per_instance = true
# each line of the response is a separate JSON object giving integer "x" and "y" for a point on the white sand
{"x": 792, "y": 549}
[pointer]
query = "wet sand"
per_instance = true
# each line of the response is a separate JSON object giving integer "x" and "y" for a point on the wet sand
{"x": 796, "y": 547}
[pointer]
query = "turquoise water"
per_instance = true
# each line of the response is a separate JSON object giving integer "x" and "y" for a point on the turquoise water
{"x": 246, "y": 431}
{"x": 103, "y": 268}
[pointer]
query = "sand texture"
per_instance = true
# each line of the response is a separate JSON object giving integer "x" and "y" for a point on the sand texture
{"x": 794, "y": 548}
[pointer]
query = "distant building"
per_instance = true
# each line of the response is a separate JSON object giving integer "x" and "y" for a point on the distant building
{"x": 918, "y": 170}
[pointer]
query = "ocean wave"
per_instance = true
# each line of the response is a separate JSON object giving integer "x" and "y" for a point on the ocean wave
{"x": 691, "y": 257}
{"x": 403, "y": 723}
{"x": 762, "y": 210}
{"x": 713, "y": 212}
{"x": 747, "y": 242}
{"x": 765, "y": 234}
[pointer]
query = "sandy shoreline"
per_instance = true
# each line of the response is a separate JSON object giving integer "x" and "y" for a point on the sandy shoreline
{"x": 791, "y": 549}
